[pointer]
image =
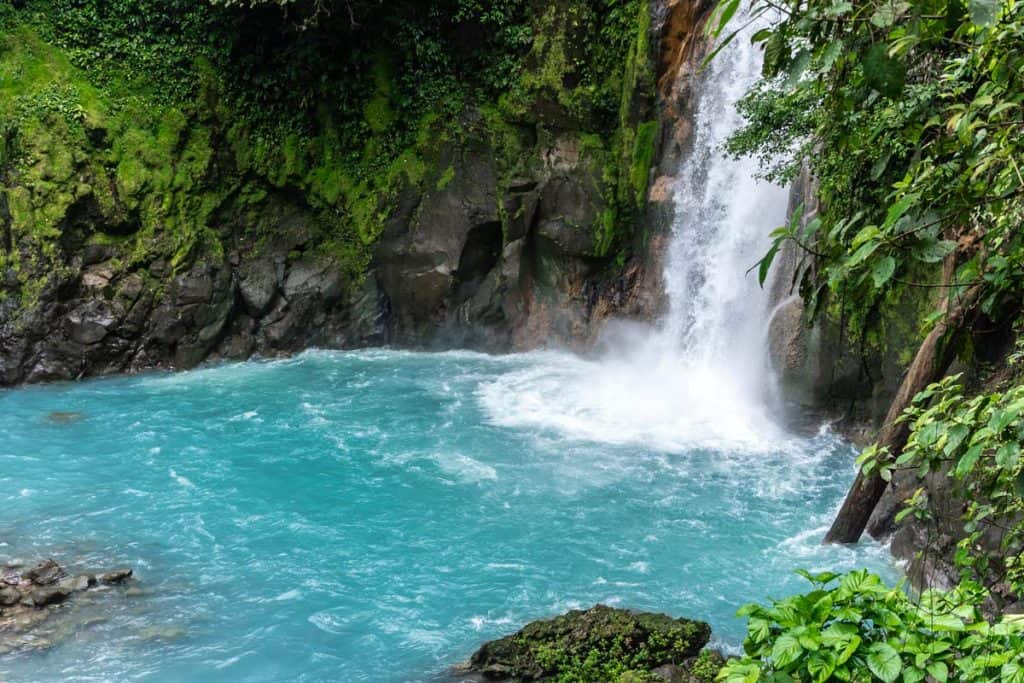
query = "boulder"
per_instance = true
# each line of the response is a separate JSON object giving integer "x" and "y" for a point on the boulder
{"x": 592, "y": 645}
{"x": 49, "y": 595}
{"x": 310, "y": 277}
{"x": 257, "y": 286}
{"x": 90, "y": 322}
{"x": 9, "y": 596}
{"x": 194, "y": 287}
{"x": 30, "y": 600}
{"x": 116, "y": 575}
{"x": 45, "y": 573}
{"x": 78, "y": 583}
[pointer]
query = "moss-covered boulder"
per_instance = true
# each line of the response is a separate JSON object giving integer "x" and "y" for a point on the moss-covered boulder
{"x": 599, "y": 644}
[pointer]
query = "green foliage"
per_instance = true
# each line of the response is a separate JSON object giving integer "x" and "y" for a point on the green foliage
{"x": 855, "y": 628}
{"x": 606, "y": 645}
{"x": 176, "y": 119}
{"x": 862, "y": 630}
{"x": 907, "y": 115}
{"x": 705, "y": 668}
{"x": 976, "y": 441}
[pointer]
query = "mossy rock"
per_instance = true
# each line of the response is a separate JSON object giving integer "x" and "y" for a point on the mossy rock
{"x": 598, "y": 644}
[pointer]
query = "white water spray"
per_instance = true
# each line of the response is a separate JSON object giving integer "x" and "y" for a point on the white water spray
{"x": 701, "y": 379}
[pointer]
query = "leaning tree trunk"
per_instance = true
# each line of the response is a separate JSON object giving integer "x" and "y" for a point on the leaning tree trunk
{"x": 930, "y": 364}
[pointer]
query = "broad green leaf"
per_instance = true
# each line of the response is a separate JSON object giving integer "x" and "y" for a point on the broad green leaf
{"x": 830, "y": 54}
{"x": 1001, "y": 419}
{"x": 766, "y": 263}
{"x": 821, "y": 666}
{"x": 932, "y": 250}
{"x": 882, "y": 270}
{"x": 897, "y": 210}
{"x": 884, "y": 16}
{"x": 797, "y": 67}
{"x": 939, "y": 671}
{"x": 867, "y": 233}
{"x": 878, "y": 168}
{"x": 820, "y": 578}
{"x": 838, "y": 9}
{"x": 884, "y": 662}
{"x": 776, "y": 54}
{"x": 758, "y": 629}
{"x": 968, "y": 460}
{"x": 838, "y": 635}
{"x": 1011, "y": 672}
{"x": 913, "y": 675}
{"x": 929, "y": 433}
{"x": 862, "y": 253}
{"x": 1008, "y": 455}
{"x": 787, "y": 649}
{"x": 809, "y": 642}
{"x": 849, "y": 650}
{"x": 955, "y": 436}
{"x": 1018, "y": 485}
{"x": 944, "y": 622}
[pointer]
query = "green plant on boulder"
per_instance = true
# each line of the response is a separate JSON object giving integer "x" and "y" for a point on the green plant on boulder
{"x": 599, "y": 644}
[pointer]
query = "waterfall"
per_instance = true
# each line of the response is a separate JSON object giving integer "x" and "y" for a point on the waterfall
{"x": 700, "y": 379}
{"x": 722, "y": 220}
{"x": 718, "y": 313}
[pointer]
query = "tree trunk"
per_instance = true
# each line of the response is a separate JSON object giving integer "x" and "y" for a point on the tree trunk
{"x": 930, "y": 364}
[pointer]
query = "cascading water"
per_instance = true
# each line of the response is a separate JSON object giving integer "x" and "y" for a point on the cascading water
{"x": 724, "y": 215}
{"x": 701, "y": 377}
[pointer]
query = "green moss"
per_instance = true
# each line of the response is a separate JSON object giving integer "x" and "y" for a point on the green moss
{"x": 605, "y": 231}
{"x": 446, "y": 178}
{"x": 159, "y": 136}
{"x": 705, "y": 668}
{"x": 600, "y": 644}
{"x": 378, "y": 112}
{"x": 643, "y": 158}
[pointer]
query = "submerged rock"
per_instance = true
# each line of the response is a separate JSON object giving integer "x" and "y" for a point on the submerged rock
{"x": 44, "y": 573}
{"x": 9, "y": 596}
{"x": 116, "y": 576}
{"x": 29, "y": 599}
{"x": 49, "y": 595}
{"x": 64, "y": 417}
{"x": 599, "y": 644}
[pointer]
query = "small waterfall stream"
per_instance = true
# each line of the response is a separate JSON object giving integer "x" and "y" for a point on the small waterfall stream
{"x": 700, "y": 378}
{"x": 717, "y": 311}
{"x": 711, "y": 346}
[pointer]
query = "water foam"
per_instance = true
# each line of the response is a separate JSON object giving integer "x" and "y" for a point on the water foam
{"x": 701, "y": 378}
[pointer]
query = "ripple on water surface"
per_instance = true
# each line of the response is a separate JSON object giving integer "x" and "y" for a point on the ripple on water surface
{"x": 375, "y": 515}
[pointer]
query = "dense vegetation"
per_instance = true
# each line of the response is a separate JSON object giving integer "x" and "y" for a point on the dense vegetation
{"x": 166, "y": 115}
{"x": 908, "y": 117}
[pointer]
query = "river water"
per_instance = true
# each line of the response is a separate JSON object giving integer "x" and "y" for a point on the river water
{"x": 376, "y": 515}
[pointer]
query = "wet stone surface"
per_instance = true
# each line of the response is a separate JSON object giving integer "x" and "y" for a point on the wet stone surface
{"x": 32, "y": 600}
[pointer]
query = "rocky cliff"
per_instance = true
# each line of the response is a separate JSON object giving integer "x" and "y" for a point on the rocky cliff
{"x": 141, "y": 230}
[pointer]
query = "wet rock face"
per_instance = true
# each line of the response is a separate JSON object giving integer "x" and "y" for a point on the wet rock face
{"x": 99, "y": 318}
{"x": 602, "y": 643}
{"x": 29, "y": 599}
{"x": 484, "y": 261}
{"x": 496, "y": 246}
